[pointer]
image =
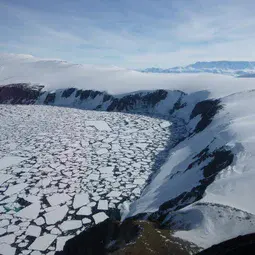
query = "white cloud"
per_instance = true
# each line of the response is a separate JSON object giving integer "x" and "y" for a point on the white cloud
{"x": 158, "y": 33}
{"x": 233, "y": 51}
{"x": 58, "y": 74}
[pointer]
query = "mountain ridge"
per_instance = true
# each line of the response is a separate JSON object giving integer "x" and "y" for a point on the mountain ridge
{"x": 233, "y": 68}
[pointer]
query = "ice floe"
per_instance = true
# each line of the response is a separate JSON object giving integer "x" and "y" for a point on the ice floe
{"x": 99, "y": 217}
{"x": 80, "y": 200}
{"x": 30, "y": 212}
{"x": 41, "y": 243}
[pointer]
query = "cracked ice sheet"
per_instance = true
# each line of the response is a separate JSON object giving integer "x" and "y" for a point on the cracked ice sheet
{"x": 63, "y": 171}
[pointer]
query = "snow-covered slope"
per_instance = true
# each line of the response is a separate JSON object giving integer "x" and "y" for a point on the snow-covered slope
{"x": 218, "y": 161}
{"x": 233, "y": 68}
{"x": 204, "y": 190}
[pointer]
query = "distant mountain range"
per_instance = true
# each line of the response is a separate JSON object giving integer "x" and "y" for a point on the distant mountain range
{"x": 234, "y": 68}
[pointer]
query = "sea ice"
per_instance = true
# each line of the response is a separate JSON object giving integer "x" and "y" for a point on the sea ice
{"x": 102, "y": 205}
{"x": 57, "y": 199}
{"x": 41, "y": 243}
{"x": 30, "y": 212}
{"x": 99, "y": 217}
{"x": 56, "y": 215}
{"x": 15, "y": 189}
{"x": 80, "y": 200}
{"x": 70, "y": 225}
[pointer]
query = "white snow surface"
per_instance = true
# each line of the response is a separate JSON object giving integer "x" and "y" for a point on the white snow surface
{"x": 207, "y": 224}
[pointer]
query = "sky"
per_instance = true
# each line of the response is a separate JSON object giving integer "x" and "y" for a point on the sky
{"x": 129, "y": 33}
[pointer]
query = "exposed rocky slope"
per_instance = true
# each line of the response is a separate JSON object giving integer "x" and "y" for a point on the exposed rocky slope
{"x": 130, "y": 237}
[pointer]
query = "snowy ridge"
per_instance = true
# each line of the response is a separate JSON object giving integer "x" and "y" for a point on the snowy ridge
{"x": 158, "y": 102}
{"x": 220, "y": 156}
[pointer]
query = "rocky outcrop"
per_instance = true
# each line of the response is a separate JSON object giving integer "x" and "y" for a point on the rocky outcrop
{"x": 50, "y": 98}
{"x": 219, "y": 160}
{"x": 20, "y": 93}
{"x": 103, "y": 238}
{"x": 142, "y": 102}
{"x": 129, "y": 237}
{"x": 207, "y": 109}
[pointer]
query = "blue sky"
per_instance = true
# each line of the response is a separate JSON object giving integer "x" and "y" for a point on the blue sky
{"x": 129, "y": 33}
